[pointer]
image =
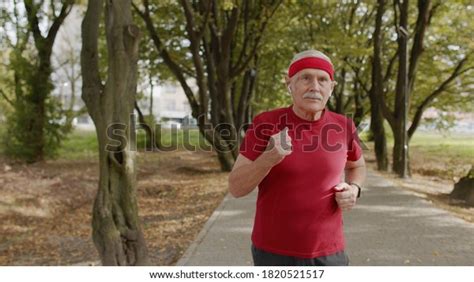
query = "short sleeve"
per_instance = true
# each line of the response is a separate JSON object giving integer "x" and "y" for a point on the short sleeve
{"x": 354, "y": 150}
{"x": 256, "y": 139}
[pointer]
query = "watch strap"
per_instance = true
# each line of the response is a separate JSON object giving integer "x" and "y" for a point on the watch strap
{"x": 358, "y": 188}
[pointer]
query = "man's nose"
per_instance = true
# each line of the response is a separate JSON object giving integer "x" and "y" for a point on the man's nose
{"x": 314, "y": 84}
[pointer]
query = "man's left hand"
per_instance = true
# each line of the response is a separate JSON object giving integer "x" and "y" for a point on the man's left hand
{"x": 346, "y": 195}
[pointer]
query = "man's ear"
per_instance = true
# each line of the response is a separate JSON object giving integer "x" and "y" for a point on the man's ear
{"x": 333, "y": 84}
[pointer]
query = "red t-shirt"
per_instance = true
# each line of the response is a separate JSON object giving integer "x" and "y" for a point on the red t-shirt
{"x": 297, "y": 214}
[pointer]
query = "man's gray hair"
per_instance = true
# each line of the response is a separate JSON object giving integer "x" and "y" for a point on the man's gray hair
{"x": 310, "y": 53}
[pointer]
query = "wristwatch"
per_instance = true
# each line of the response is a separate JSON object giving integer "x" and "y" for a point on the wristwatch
{"x": 358, "y": 188}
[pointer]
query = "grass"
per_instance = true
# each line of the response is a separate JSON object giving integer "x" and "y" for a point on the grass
{"x": 79, "y": 145}
{"x": 178, "y": 139}
{"x": 436, "y": 144}
{"x": 83, "y": 144}
{"x": 446, "y": 156}
{"x": 459, "y": 146}
{"x": 431, "y": 153}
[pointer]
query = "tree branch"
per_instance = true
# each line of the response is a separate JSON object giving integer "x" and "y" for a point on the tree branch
{"x": 238, "y": 69}
{"x": 417, "y": 49}
{"x": 228, "y": 33}
{"x": 195, "y": 43}
{"x": 245, "y": 33}
{"x": 33, "y": 22}
{"x": 388, "y": 73}
{"x": 441, "y": 88}
{"x": 206, "y": 17}
{"x": 65, "y": 10}
{"x": 174, "y": 67}
{"x": 92, "y": 84}
{"x": 6, "y": 97}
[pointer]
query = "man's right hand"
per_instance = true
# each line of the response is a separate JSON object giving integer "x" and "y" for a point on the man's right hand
{"x": 279, "y": 146}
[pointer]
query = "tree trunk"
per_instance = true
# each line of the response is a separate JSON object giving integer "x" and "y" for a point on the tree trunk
{"x": 400, "y": 152}
{"x": 116, "y": 227}
{"x": 339, "y": 95}
{"x": 31, "y": 109}
{"x": 35, "y": 128}
{"x": 150, "y": 80}
{"x": 222, "y": 45}
{"x": 246, "y": 91}
{"x": 359, "y": 106}
{"x": 405, "y": 81}
{"x": 226, "y": 160}
{"x": 378, "y": 134}
{"x": 376, "y": 117}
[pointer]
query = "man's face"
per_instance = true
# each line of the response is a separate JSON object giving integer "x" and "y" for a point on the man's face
{"x": 310, "y": 89}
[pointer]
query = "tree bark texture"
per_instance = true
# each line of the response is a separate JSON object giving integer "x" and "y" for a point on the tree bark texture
{"x": 376, "y": 118}
{"x": 116, "y": 226}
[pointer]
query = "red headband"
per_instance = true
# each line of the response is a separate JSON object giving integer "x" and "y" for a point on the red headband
{"x": 311, "y": 63}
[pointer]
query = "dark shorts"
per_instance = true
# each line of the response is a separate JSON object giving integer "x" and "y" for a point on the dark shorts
{"x": 263, "y": 258}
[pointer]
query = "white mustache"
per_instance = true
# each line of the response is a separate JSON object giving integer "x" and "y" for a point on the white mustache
{"x": 312, "y": 95}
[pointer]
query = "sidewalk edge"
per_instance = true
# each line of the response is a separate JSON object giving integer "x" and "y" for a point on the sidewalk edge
{"x": 210, "y": 222}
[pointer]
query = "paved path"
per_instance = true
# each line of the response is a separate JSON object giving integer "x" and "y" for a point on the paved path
{"x": 389, "y": 226}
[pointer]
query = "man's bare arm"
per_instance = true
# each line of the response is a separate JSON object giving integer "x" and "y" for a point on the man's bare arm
{"x": 247, "y": 174}
{"x": 346, "y": 194}
{"x": 355, "y": 172}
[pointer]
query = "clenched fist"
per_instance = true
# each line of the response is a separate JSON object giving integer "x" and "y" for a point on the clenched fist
{"x": 279, "y": 146}
{"x": 346, "y": 196}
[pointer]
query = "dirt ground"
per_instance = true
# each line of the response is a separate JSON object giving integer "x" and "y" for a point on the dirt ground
{"x": 429, "y": 182}
{"x": 45, "y": 208}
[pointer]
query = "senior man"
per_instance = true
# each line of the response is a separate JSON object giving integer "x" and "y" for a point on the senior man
{"x": 298, "y": 156}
